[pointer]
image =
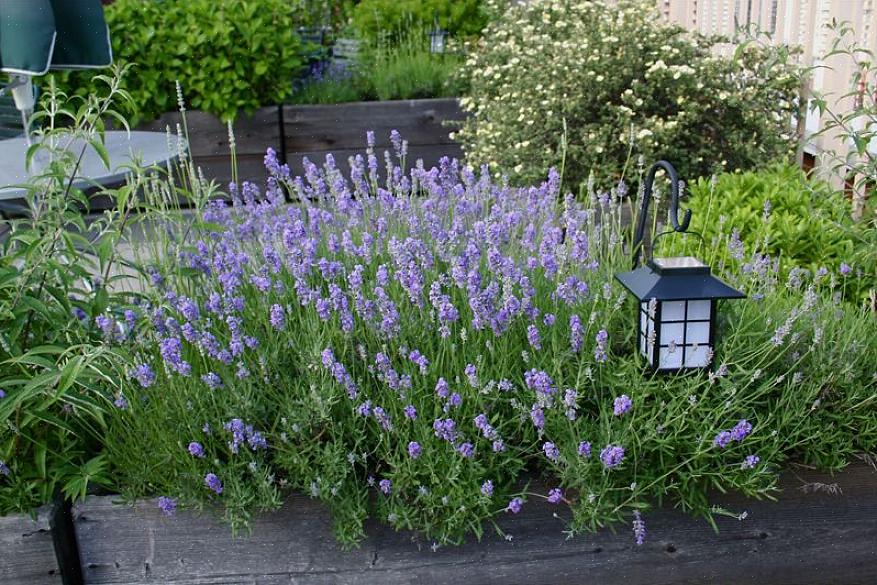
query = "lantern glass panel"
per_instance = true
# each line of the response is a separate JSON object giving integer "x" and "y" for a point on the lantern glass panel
{"x": 684, "y": 334}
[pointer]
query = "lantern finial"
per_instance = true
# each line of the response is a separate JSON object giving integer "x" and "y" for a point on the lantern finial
{"x": 647, "y": 198}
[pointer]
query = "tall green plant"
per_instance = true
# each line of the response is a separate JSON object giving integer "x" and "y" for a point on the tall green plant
{"x": 58, "y": 308}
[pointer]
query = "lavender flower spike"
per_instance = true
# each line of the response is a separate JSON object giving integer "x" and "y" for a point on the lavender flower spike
{"x": 612, "y": 456}
{"x": 213, "y": 482}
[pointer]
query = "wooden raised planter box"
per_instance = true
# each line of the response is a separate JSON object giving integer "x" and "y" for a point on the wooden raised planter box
{"x": 315, "y": 131}
{"x": 27, "y": 552}
{"x": 811, "y": 536}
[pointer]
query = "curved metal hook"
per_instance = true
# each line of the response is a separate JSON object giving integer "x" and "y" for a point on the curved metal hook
{"x": 647, "y": 198}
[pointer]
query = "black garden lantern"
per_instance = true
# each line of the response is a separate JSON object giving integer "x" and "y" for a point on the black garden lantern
{"x": 677, "y": 297}
{"x": 437, "y": 38}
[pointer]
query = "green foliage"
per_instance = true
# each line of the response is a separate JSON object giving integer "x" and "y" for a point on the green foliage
{"x": 855, "y": 127}
{"x": 379, "y": 20}
{"x": 332, "y": 14}
{"x": 385, "y": 71}
{"x": 787, "y": 215}
{"x": 408, "y": 70}
{"x": 552, "y": 68}
{"x": 57, "y": 279}
{"x": 229, "y": 56}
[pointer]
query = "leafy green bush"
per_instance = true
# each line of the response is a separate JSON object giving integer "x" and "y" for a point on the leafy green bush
{"x": 552, "y": 67}
{"x": 229, "y": 56}
{"x": 58, "y": 379}
{"x": 377, "y": 20}
{"x": 786, "y": 215}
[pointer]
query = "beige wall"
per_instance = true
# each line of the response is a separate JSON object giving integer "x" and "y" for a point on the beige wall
{"x": 794, "y": 22}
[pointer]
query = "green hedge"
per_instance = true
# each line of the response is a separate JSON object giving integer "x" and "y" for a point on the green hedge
{"x": 781, "y": 212}
{"x": 374, "y": 19}
{"x": 229, "y": 56}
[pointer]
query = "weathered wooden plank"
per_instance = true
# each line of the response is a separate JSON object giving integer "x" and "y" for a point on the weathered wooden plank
{"x": 805, "y": 538}
{"x": 27, "y": 555}
{"x": 324, "y": 128}
{"x": 208, "y": 135}
{"x": 315, "y": 131}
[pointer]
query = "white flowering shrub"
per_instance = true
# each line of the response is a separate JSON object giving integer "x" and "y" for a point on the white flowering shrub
{"x": 625, "y": 84}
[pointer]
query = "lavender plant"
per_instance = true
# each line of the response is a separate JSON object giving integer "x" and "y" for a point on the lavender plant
{"x": 414, "y": 348}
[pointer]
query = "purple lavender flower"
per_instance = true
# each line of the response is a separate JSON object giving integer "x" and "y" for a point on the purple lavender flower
{"x": 4, "y": 469}
{"x": 741, "y": 430}
{"x": 555, "y": 496}
{"x": 845, "y": 269}
{"x": 487, "y": 488}
{"x": 213, "y": 482}
{"x": 364, "y": 409}
{"x": 454, "y": 400}
{"x": 213, "y": 381}
{"x": 472, "y": 375}
{"x": 2, "y": 394}
{"x": 515, "y": 505}
{"x": 107, "y": 326}
{"x": 537, "y": 416}
{"x": 277, "y": 317}
{"x": 750, "y": 462}
{"x": 442, "y": 388}
{"x": 196, "y": 450}
{"x": 420, "y": 360}
{"x": 414, "y": 449}
{"x": 584, "y": 449}
{"x": 551, "y": 451}
{"x": 410, "y": 412}
{"x": 533, "y": 337}
{"x": 382, "y": 417}
{"x": 576, "y": 333}
{"x": 621, "y": 405}
{"x": 168, "y": 506}
{"x": 723, "y": 439}
{"x": 386, "y": 486}
{"x": 143, "y": 374}
{"x": 549, "y": 319}
{"x": 612, "y": 455}
{"x": 171, "y": 352}
{"x": 540, "y": 382}
{"x": 466, "y": 450}
{"x": 445, "y": 428}
{"x": 639, "y": 528}
{"x": 79, "y": 314}
{"x": 121, "y": 402}
{"x": 600, "y": 351}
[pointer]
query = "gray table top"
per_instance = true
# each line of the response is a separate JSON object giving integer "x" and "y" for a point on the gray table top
{"x": 149, "y": 148}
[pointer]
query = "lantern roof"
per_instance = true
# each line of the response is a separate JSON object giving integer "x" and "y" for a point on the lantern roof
{"x": 676, "y": 279}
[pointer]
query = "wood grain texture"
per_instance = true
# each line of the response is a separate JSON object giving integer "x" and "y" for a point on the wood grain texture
{"x": 324, "y": 128}
{"x": 27, "y": 555}
{"x": 806, "y": 538}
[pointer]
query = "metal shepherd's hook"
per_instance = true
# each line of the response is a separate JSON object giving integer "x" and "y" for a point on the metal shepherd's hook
{"x": 647, "y": 198}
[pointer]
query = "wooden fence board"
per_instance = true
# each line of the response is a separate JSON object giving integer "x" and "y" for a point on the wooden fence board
{"x": 315, "y": 131}
{"x": 808, "y": 538}
{"x": 27, "y": 555}
{"x": 323, "y": 128}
